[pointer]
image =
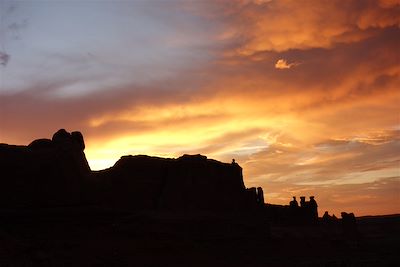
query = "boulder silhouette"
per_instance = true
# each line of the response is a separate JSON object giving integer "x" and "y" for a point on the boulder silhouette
{"x": 44, "y": 173}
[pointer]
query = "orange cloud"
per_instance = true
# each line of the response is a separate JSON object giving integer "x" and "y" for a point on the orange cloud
{"x": 288, "y": 24}
{"x": 283, "y": 64}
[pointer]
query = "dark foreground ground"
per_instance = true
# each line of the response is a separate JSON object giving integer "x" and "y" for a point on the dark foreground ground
{"x": 90, "y": 237}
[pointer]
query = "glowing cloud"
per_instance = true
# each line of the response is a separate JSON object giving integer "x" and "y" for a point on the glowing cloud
{"x": 283, "y": 64}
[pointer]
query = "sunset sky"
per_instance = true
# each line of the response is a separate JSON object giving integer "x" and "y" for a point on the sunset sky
{"x": 303, "y": 94}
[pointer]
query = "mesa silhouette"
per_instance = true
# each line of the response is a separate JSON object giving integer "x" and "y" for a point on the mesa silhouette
{"x": 51, "y": 173}
{"x": 55, "y": 173}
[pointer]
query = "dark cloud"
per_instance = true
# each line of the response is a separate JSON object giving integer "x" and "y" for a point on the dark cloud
{"x": 4, "y": 58}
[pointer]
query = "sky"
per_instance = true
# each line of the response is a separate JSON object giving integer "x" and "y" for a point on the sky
{"x": 304, "y": 95}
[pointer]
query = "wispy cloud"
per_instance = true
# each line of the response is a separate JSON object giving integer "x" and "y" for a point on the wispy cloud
{"x": 283, "y": 64}
{"x": 4, "y": 57}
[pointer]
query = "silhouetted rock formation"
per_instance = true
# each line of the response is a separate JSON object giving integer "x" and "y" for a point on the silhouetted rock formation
{"x": 307, "y": 213}
{"x": 49, "y": 173}
{"x": 328, "y": 219}
{"x": 44, "y": 173}
{"x": 260, "y": 196}
{"x": 254, "y": 198}
{"x": 293, "y": 203}
{"x": 53, "y": 209}
{"x": 187, "y": 183}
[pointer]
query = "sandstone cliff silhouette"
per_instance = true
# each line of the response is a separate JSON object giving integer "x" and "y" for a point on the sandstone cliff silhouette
{"x": 187, "y": 183}
{"x": 52, "y": 173}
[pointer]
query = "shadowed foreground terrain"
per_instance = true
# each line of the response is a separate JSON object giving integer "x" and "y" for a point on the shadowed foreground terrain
{"x": 146, "y": 211}
{"x": 81, "y": 237}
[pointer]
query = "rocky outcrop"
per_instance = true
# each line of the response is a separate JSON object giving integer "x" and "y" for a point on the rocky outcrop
{"x": 191, "y": 182}
{"x": 50, "y": 173}
{"x": 44, "y": 173}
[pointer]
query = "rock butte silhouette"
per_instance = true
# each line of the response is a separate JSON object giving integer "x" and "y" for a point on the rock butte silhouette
{"x": 52, "y": 173}
{"x": 151, "y": 211}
